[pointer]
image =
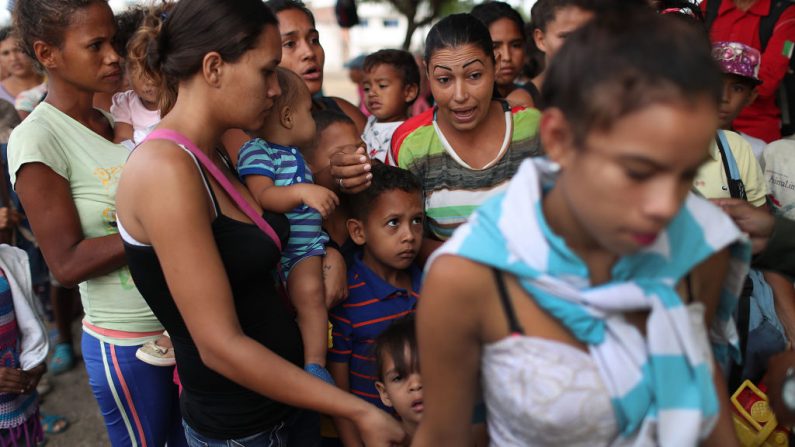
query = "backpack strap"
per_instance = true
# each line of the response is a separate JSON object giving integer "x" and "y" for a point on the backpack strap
{"x": 767, "y": 24}
{"x": 713, "y": 6}
{"x": 182, "y": 140}
{"x": 736, "y": 186}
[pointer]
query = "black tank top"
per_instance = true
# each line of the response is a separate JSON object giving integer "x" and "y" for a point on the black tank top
{"x": 211, "y": 404}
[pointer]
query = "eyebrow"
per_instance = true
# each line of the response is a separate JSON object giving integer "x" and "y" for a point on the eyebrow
{"x": 644, "y": 160}
{"x": 463, "y": 66}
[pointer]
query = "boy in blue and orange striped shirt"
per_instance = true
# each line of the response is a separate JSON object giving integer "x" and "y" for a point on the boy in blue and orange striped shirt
{"x": 383, "y": 280}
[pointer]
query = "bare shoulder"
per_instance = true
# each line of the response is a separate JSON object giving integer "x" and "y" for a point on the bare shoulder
{"x": 160, "y": 160}
{"x": 457, "y": 278}
{"x": 162, "y": 172}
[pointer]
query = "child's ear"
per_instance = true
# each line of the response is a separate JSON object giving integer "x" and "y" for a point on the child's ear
{"x": 356, "y": 231}
{"x": 410, "y": 92}
{"x": 286, "y": 118}
{"x": 383, "y": 394}
{"x": 557, "y": 137}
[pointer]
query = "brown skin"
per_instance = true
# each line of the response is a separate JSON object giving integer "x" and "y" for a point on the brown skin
{"x": 461, "y": 80}
{"x": 84, "y": 64}
{"x": 17, "y": 381}
{"x": 18, "y": 65}
{"x": 291, "y": 125}
{"x": 303, "y": 54}
{"x": 509, "y": 51}
{"x": 756, "y": 221}
{"x": 566, "y": 21}
{"x": 210, "y": 102}
{"x": 640, "y": 151}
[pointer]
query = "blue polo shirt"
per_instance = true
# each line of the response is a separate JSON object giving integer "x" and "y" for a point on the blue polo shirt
{"x": 372, "y": 305}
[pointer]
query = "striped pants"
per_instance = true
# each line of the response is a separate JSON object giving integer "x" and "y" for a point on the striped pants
{"x": 138, "y": 401}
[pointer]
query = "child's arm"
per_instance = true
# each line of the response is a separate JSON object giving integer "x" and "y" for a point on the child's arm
{"x": 349, "y": 436}
{"x": 122, "y": 132}
{"x": 122, "y": 116}
{"x": 281, "y": 199}
{"x": 784, "y": 299}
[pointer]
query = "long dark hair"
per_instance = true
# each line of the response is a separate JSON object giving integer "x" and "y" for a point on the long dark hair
{"x": 457, "y": 30}
{"x": 176, "y": 42}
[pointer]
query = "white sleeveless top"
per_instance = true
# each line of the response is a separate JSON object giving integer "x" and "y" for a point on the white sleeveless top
{"x": 541, "y": 392}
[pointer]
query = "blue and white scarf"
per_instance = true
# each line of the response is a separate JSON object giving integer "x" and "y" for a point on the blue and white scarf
{"x": 661, "y": 385}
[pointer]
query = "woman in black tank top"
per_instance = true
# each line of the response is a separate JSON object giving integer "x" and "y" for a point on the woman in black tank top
{"x": 203, "y": 267}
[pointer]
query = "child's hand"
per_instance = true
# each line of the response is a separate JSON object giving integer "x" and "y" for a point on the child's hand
{"x": 319, "y": 198}
{"x": 335, "y": 281}
{"x": 34, "y": 375}
{"x": 16, "y": 381}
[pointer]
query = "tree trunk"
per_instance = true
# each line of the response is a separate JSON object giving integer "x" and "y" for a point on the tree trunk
{"x": 410, "y": 28}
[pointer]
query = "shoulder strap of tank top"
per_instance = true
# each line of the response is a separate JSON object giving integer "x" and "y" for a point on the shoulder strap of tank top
{"x": 176, "y": 137}
{"x": 505, "y": 300}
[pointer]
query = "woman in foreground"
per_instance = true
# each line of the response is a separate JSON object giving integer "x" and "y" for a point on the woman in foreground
{"x": 568, "y": 288}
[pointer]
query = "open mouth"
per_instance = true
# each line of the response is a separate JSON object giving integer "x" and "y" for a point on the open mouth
{"x": 464, "y": 115}
{"x": 417, "y": 406}
{"x": 312, "y": 73}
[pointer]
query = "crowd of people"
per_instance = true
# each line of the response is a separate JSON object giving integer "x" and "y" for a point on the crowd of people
{"x": 576, "y": 230}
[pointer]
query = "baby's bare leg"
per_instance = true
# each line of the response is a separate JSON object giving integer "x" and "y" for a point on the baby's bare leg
{"x": 305, "y": 286}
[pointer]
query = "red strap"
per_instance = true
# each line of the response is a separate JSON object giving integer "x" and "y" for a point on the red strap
{"x": 176, "y": 137}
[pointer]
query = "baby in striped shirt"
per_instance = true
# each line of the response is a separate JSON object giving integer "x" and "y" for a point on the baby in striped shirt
{"x": 274, "y": 169}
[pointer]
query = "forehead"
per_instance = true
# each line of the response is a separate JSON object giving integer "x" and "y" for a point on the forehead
{"x": 570, "y": 18}
{"x": 396, "y": 201}
{"x": 95, "y": 18}
{"x": 9, "y": 41}
{"x": 385, "y": 71}
{"x": 505, "y": 28}
{"x": 295, "y": 21}
{"x": 267, "y": 50}
{"x": 673, "y": 135}
{"x": 458, "y": 56}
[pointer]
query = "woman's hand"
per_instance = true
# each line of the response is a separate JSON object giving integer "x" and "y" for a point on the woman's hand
{"x": 378, "y": 429}
{"x": 335, "y": 278}
{"x": 351, "y": 172}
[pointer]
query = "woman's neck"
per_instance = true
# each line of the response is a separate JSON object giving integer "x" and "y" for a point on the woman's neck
{"x": 77, "y": 104}
{"x": 192, "y": 117}
{"x": 564, "y": 223}
{"x": 478, "y": 146}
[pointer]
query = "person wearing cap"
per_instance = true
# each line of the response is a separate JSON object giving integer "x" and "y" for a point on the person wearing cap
{"x": 740, "y": 65}
{"x": 738, "y": 62}
{"x": 356, "y": 75}
{"x": 740, "y": 21}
